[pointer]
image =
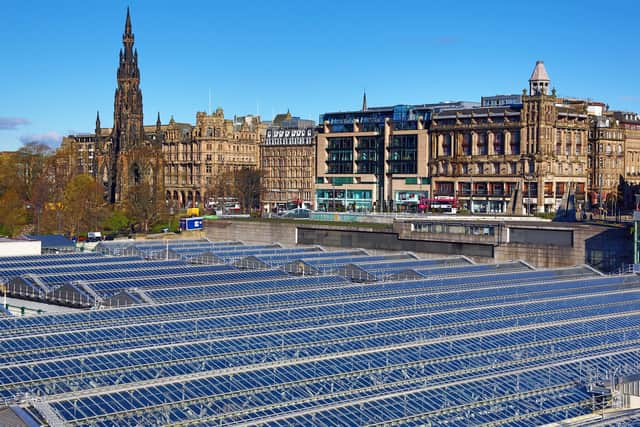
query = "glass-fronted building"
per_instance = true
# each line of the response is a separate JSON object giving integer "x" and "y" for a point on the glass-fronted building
{"x": 374, "y": 158}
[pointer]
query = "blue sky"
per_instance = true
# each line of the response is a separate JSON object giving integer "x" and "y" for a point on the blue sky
{"x": 59, "y": 59}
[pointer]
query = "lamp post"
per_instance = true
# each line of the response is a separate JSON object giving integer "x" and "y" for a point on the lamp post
{"x": 471, "y": 189}
{"x": 600, "y": 203}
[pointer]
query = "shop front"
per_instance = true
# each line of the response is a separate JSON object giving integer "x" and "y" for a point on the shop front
{"x": 341, "y": 200}
{"x": 409, "y": 201}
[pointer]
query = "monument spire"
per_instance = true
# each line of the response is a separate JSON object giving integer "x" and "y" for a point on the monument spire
{"x": 128, "y": 129}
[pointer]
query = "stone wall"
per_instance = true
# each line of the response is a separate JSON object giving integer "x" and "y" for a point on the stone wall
{"x": 605, "y": 248}
{"x": 377, "y": 240}
{"x": 252, "y": 232}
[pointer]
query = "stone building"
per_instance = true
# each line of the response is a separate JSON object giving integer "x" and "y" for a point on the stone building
{"x": 530, "y": 148}
{"x": 287, "y": 160}
{"x": 181, "y": 158}
{"x": 197, "y": 156}
{"x": 372, "y": 158}
{"x": 507, "y": 154}
{"x": 614, "y": 153}
{"x": 630, "y": 123}
{"x": 606, "y": 157}
{"x": 81, "y": 149}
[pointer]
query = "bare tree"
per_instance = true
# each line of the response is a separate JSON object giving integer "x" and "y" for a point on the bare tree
{"x": 144, "y": 205}
{"x": 248, "y": 188}
{"x": 31, "y": 160}
{"x": 221, "y": 187}
{"x": 83, "y": 205}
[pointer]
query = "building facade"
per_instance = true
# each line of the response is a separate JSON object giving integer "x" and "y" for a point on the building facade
{"x": 372, "y": 159}
{"x": 287, "y": 160}
{"x": 81, "y": 150}
{"x": 524, "y": 153}
{"x": 507, "y": 154}
{"x": 614, "y": 154}
{"x": 198, "y": 156}
{"x": 630, "y": 123}
{"x": 182, "y": 159}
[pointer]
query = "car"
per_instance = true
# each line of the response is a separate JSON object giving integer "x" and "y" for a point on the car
{"x": 297, "y": 213}
{"x": 94, "y": 236}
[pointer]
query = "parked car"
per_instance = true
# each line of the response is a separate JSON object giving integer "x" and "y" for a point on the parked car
{"x": 297, "y": 213}
{"x": 94, "y": 236}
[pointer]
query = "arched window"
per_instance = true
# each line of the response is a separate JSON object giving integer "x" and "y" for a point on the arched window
{"x": 136, "y": 174}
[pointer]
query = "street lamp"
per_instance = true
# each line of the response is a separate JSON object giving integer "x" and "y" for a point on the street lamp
{"x": 600, "y": 203}
{"x": 471, "y": 188}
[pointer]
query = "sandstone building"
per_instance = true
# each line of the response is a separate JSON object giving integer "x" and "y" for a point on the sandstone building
{"x": 287, "y": 159}
{"x": 507, "y": 154}
{"x": 614, "y": 152}
{"x": 182, "y": 159}
{"x": 531, "y": 147}
{"x": 197, "y": 156}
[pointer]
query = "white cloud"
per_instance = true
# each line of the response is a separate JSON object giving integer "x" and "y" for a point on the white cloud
{"x": 11, "y": 123}
{"x": 51, "y": 138}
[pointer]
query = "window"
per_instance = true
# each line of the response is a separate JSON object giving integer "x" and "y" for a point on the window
{"x": 369, "y": 154}
{"x": 515, "y": 142}
{"x": 446, "y": 145}
{"x": 403, "y": 154}
{"x": 482, "y": 144}
{"x": 340, "y": 155}
{"x": 466, "y": 144}
{"x": 498, "y": 143}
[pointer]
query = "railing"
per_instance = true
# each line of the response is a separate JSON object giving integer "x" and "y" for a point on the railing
{"x": 408, "y": 125}
{"x": 628, "y": 269}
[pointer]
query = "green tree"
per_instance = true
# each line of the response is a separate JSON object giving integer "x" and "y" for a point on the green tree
{"x": 116, "y": 221}
{"x": 8, "y": 172}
